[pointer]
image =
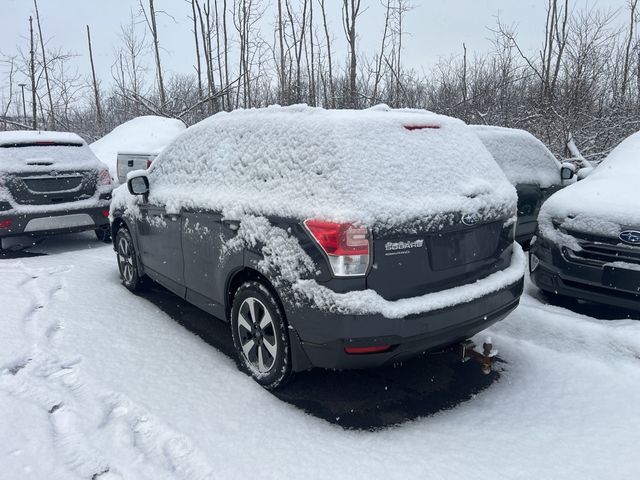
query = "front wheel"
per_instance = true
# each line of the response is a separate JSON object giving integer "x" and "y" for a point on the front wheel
{"x": 260, "y": 335}
{"x": 128, "y": 261}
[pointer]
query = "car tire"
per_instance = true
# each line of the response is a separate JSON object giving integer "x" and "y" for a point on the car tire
{"x": 103, "y": 234}
{"x": 128, "y": 261}
{"x": 260, "y": 335}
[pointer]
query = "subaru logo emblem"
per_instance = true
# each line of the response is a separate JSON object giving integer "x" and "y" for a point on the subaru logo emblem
{"x": 470, "y": 219}
{"x": 630, "y": 237}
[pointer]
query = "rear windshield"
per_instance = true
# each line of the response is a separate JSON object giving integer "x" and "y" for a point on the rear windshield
{"x": 40, "y": 144}
{"x": 303, "y": 162}
{"x": 523, "y": 158}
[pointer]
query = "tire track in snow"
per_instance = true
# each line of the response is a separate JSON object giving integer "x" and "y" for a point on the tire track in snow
{"x": 84, "y": 424}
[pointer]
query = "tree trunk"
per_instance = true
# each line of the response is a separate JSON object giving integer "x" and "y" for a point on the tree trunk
{"x": 34, "y": 105}
{"x": 156, "y": 49}
{"x": 95, "y": 82}
{"x": 44, "y": 65}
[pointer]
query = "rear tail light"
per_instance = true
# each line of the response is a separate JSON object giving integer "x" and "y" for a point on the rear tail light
{"x": 104, "y": 177}
{"x": 149, "y": 162}
{"x": 6, "y": 223}
{"x": 365, "y": 350}
{"x": 345, "y": 244}
{"x": 105, "y": 213}
{"x": 411, "y": 128}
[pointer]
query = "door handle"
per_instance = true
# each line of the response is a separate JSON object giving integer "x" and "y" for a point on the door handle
{"x": 172, "y": 217}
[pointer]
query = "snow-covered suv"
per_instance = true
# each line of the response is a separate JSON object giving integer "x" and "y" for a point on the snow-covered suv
{"x": 530, "y": 167}
{"x": 50, "y": 182}
{"x": 588, "y": 242}
{"x": 335, "y": 239}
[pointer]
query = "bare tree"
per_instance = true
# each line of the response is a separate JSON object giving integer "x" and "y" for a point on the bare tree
{"x": 633, "y": 4}
{"x": 96, "y": 93}
{"x": 350, "y": 12}
{"x": 32, "y": 65}
{"x": 44, "y": 66}
{"x": 150, "y": 18}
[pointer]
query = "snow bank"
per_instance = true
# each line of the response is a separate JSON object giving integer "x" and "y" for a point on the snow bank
{"x": 147, "y": 134}
{"x": 603, "y": 203}
{"x": 303, "y": 162}
{"x": 523, "y": 158}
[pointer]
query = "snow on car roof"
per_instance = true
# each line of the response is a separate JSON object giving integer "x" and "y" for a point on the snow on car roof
{"x": 20, "y": 137}
{"x": 379, "y": 166}
{"x": 523, "y": 158}
{"x": 606, "y": 201}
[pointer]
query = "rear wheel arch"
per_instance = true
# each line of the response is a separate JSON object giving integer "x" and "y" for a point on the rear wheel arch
{"x": 244, "y": 275}
{"x": 116, "y": 225}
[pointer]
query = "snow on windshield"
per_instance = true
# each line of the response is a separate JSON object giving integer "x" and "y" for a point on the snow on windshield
{"x": 606, "y": 201}
{"x": 523, "y": 158}
{"x": 304, "y": 162}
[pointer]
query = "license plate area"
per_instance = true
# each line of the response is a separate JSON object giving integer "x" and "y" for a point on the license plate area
{"x": 621, "y": 278}
{"x": 453, "y": 249}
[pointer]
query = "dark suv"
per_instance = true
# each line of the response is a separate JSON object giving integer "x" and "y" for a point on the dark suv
{"x": 50, "y": 182}
{"x": 322, "y": 238}
{"x": 530, "y": 167}
{"x": 588, "y": 241}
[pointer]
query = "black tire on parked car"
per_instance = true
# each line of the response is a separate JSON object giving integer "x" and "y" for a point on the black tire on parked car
{"x": 128, "y": 261}
{"x": 103, "y": 234}
{"x": 260, "y": 335}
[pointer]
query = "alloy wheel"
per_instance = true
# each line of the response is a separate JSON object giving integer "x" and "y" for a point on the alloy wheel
{"x": 125, "y": 260}
{"x": 257, "y": 335}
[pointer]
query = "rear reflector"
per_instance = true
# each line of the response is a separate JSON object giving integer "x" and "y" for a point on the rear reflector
{"x": 421, "y": 127}
{"x": 6, "y": 223}
{"x": 365, "y": 350}
{"x": 346, "y": 246}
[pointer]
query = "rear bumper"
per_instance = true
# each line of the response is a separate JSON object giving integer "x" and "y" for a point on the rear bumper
{"x": 324, "y": 336}
{"x": 553, "y": 271}
{"x": 54, "y": 221}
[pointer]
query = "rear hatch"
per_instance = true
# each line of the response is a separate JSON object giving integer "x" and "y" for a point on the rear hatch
{"x": 419, "y": 261}
{"x": 48, "y": 173}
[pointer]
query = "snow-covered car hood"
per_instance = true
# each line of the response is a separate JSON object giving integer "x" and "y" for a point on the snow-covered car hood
{"x": 378, "y": 167}
{"x": 606, "y": 202}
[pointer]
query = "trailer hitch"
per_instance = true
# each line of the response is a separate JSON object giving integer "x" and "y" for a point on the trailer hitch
{"x": 467, "y": 351}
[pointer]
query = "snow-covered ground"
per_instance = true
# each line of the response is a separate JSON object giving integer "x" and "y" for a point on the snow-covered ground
{"x": 96, "y": 382}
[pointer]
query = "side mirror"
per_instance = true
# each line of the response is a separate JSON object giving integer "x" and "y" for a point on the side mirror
{"x": 138, "y": 185}
{"x": 567, "y": 171}
{"x": 584, "y": 172}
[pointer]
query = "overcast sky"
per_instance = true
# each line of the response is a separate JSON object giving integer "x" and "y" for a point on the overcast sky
{"x": 437, "y": 28}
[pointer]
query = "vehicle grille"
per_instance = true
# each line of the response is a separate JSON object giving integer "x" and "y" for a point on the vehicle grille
{"x": 602, "y": 250}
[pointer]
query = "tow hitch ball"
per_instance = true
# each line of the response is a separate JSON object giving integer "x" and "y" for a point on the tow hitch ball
{"x": 485, "y": 359}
